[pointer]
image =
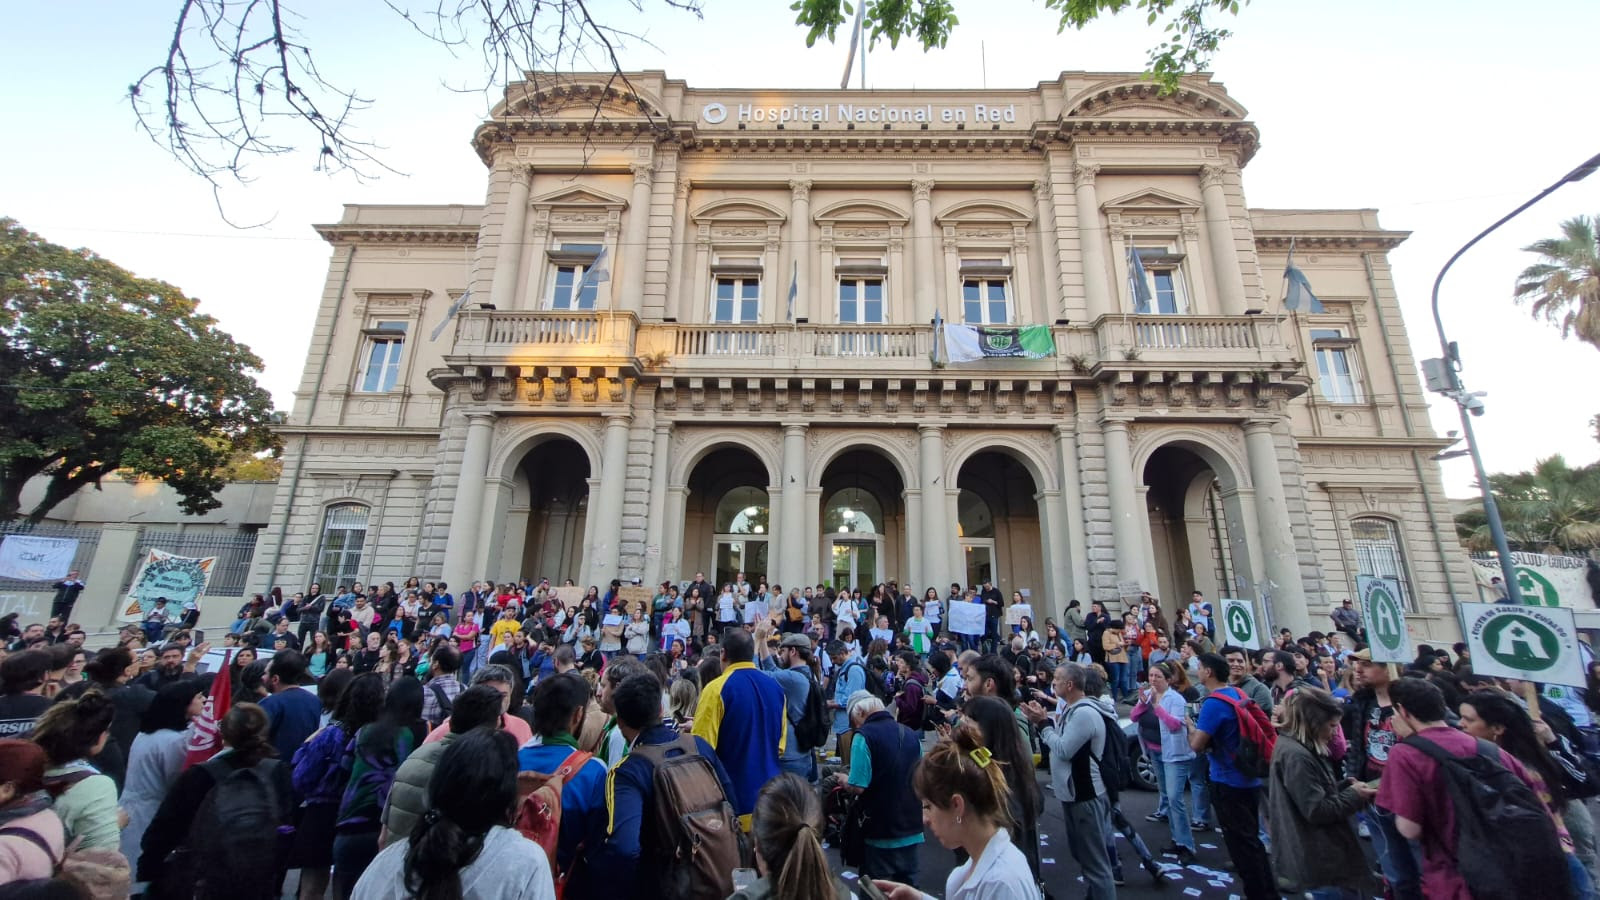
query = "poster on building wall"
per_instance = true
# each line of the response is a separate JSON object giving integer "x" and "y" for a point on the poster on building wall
{"x": 967, "y": 618}
{"x": 1545, "y": 580}
{"x": 24, "y": 557}
{"x": 1239, "y": 624}
{"x": 1386, "y": 619}
{"x": 1532, "y": 643}
{"x": 180, "y": 579}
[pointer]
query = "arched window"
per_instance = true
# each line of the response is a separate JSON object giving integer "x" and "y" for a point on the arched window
{"x": 853, "y": 511}
{"x": 1378, "y": 554}
{"x": 344, "y": 534}
{"x": 973, "y": 518}
{"x": 743, "y": 511}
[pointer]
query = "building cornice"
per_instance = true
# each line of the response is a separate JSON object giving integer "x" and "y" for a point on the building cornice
{"x": 398, "y": 234}
{"x": 1413, "y": 443}
{"x": 1280, "y": 239}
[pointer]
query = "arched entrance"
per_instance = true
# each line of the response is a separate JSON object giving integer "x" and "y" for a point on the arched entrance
{"x": 728, "y": 519}
{"x": 1194, "y": 535}
{"x": 550, "y": 494}
{"x": 997, "y": 525}
{"x": 862, "y": 523}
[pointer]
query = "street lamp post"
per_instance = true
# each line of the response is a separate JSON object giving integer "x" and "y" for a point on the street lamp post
{"x": 1443, "y": 377}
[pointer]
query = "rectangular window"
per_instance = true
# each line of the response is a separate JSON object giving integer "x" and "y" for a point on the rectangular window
{"x": 861, "y": 301}
{"x": 737, "y": 300}
{"x": 1336, "y": 376}
{"x": 984, "y": 301}
{"x": 572, "y": 263}
{"x": 344, "y": 535}
{"x": 385, "y": 344}
{"x": 1164, "y": 276}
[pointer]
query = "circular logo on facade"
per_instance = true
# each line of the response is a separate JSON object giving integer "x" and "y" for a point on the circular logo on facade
{"x": 714, "y": 113}
{"x": 1536, "y": 589}
{"x": 1241, "y": 628}
{"x": 1385, "y": 618}
{"x": 1522, "y": 642}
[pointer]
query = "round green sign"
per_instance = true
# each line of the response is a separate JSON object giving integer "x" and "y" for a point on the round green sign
{"x": 1385, "y": 618}
{"x": 1536, "y": 589}
{"x": 1241, "y": 627}
{"x": 1522, "y": 642}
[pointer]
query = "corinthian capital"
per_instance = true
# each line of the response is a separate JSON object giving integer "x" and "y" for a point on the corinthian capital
{"x": 921, "y": 188}
{"x": 641, "y": 173}
{"x": 1084, "y": 173}
{"x": 1212, "y": 176}
{"x": 681, "y": 189}
{"x": 800, "y": 191}
{"x": 519, "y": 173}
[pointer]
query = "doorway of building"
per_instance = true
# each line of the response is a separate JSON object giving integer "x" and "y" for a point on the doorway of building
{"x": 856, "y": 564}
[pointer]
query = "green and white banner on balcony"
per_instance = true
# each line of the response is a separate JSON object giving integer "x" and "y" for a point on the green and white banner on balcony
{"x": 964, "y": 343}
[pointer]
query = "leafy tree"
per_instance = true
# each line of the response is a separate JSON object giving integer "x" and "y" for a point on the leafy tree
{"x": 102, "y": 371}
{"x": 238, "y": 80}
{"x": 1554, "y": 508}
{"x": 1564, "y": 286}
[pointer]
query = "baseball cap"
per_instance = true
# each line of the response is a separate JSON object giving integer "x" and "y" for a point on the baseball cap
{"x": 1363, "y": 655}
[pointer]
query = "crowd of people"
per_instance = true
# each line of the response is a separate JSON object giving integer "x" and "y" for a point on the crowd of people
{"x": 526, "y": 740}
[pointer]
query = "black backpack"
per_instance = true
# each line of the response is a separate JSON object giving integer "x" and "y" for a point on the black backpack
{"x": 233, "y": 839}
{"x": 1116, "y": 768}
{"x": 814, "y": 726}
{"x": 1492, "y": 803}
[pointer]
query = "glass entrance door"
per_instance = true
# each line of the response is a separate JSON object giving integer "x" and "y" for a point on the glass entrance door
{"x": 855, "y": 565}
{"x": 980, "y": 561}
{"x": 740, "y": 555}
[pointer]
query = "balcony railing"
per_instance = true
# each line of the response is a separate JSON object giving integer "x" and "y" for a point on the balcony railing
{"x": 517, "y": 334}
{"x": 1198, "y": 339}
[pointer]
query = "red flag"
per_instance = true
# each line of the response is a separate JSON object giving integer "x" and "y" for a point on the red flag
{"x": 204, "y": 739}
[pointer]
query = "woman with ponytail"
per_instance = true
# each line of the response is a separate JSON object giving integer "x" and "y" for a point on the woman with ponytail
{"x": 462, "y": 846}
{"x": 965, "y": 801}
{"x": 787, "y": 827}
{"x": 70, "y": 732}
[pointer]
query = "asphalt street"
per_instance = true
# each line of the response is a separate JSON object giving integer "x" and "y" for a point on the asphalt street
{"x": 1208, "y": 877}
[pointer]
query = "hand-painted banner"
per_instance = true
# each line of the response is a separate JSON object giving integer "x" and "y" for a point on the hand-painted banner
{"x": 24, "y": 557}
{"x": 1545, "y": 580}
{"x": 180, "y": 579}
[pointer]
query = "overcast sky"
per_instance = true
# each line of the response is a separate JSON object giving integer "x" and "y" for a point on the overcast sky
{"x": 1442, "y": 115}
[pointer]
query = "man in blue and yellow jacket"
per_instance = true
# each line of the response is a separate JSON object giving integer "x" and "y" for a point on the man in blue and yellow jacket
{"x": 741, "y": 715}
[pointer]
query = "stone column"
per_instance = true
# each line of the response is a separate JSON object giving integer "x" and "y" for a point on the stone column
{"x": 1125, "y": 517}
{"x": 461, "y": 547}
{"x": 935, "y": 519}
{"x": 100, "y": 605}
{"x": 1072, "y": 508}
{"x": 1280, "y": 560}
{"x": 680, "y": 239}
{"x": 1092, "y": 244}
{"x": 605, "y": 535}
{"x": 508, "y": 263}
{"x": 1051, "y": 306}
{"x": 655, "y": 523}
{"x": 791, "y": 537}
{"x": 636, "y": 237}
{"x": 799, "y": 252}
{"x": 924, "y": 281}
{"x": 1219, "y": 232}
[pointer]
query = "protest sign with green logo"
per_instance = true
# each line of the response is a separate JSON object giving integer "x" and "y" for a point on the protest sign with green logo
{"x": 1386, "y": 619}
{"x": 1527, "y": 642}
{"x": 1239, "y": 624}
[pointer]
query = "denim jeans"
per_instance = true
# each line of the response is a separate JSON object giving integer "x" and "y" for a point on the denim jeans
{"x": 1399, "y": 860}
{"x": 1200, "y": 786}
{"x": 1161, "y": 780}
{"x": 1087, "y": 826}
{"x": 1239, "y": 814}
{"x": 1175, "y": 778}
{"x": 893, "y": 863}
{"x": 805, "y": 767}
{"x": 1117, "y": 672}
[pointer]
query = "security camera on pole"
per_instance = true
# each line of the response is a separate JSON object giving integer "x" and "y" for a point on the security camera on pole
{"x": 1443, "y": 377}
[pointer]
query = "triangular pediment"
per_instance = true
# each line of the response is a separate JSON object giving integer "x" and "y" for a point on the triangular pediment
{"x": 578, "y": 196}
{"x": 1151, "y": 198}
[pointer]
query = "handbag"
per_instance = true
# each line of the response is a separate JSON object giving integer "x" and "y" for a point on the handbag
{"x": 853, "y": 841}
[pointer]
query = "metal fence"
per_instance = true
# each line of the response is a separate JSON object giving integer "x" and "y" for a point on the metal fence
{"x": 88, "y": 539}
{"x": 233, "y": 550}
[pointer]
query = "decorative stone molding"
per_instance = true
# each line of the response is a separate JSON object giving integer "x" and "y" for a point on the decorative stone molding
{"x": 1084, "y": 174}
{"x": 1213, "y": 176}
{"x": 1031, "y": 447}
{"x": 643, "y": 173}
{"x": 800, "y": 190}
{"x": 921, "y": 188}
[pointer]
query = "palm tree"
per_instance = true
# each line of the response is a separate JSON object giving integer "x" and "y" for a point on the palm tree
{"x": 1565, "y": 286}
{"x": 1552, "y": 509}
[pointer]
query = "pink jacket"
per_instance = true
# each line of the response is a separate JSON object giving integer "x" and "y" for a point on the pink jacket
{"x": 20, "y": 857}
